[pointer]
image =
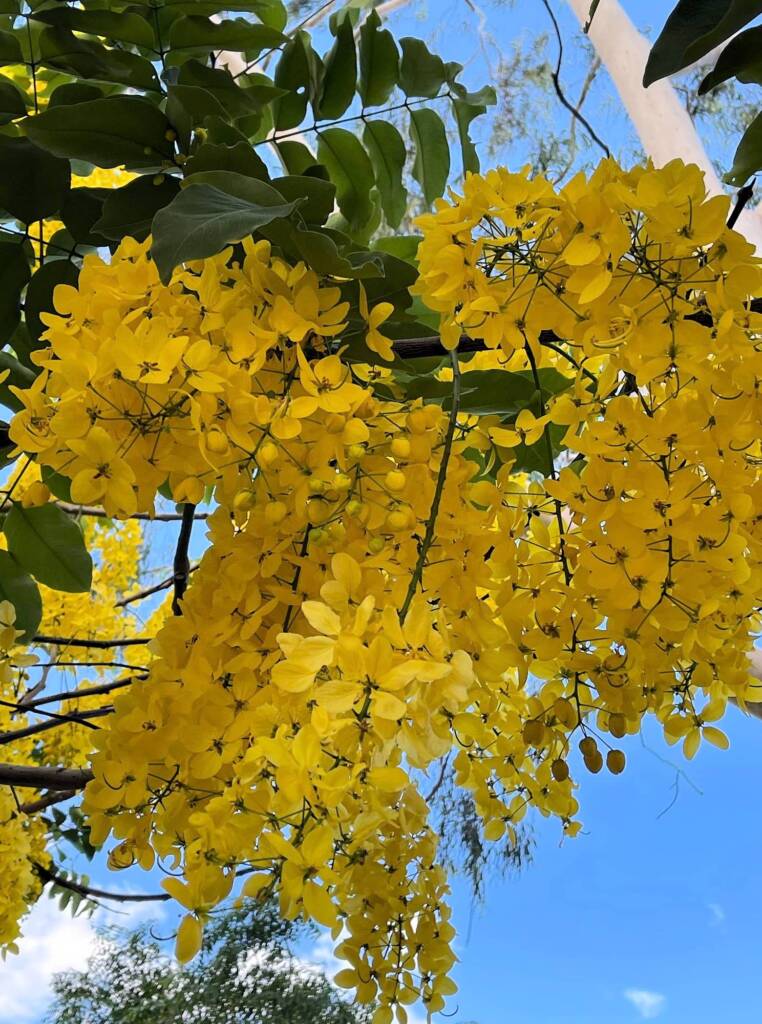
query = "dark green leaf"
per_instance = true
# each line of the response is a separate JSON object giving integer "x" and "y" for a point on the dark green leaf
{"x": 124, "y": 26}
{"x": 195, "y": 32}
{"x": 741, "y": 59}
{"x": 61, "y": 49}
{"x": 73, "y": 92}
{"x": 319, "y": 196}
{"x": 39, "y": 294}
{"x": 387, "y": 152}
{"x": 352, "y": 172}
{"x": 14, "y": 274}
{"x": 10, "y": 49}
{"x": 340, "y": 73}
{"x": 693, "y": 29}
{"x": 299, "y": 72}
{"x": 19, "y": 376}
{"x": 490, "y": 392}
{"x": 536, "y": 458}
{"x": 394, "y": 286}
{"x": 320, "y": 252}
{"x": 12, "y": 103}
{"x": 271, "y": 12}
{"x": 748, "y": 158}
{"x": 221, "y": 85}
{"x": 202, "y": 220}
{"x": 19, "y": 588}
{"x": 47, "y": 543}
{"x": 81, "y": 210}
{"x": 240, "y": 158}
{"x": 379, "y": 62}
{"x": 421, "y": 72}
{"x": 296, "y": 157}
{"x": 432, "y": 152}
{"x": 33, "y": 184}
{"x": 108, "y": 133}
{"x": 130, "y": 210}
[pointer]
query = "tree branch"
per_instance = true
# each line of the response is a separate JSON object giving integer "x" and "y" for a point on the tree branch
{"x": 105, "y": 645}
{"x": 102, "y": 894}
{"x": 182, "y": 562}
{"x": 34, "y": 777}
{"x": 54, "y": 722}
{"x": 47, "y": 801}
{"x": 101, "y": 513}
{"x": 85, "y": 691}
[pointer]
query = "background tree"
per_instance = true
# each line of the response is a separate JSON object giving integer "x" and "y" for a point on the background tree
{"x": 246, "y": 973}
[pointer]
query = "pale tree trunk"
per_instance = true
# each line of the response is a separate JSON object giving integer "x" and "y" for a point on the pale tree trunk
{"x": 664, "y": 126}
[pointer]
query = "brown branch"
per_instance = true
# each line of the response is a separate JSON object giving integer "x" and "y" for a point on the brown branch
{"x": 85, "y": 691}
{"x": 73, "y": 641}
{"x": 102, "y": 894}
{"x": 54, "y": 722}
{"x": 181, "y": 563}
{"x": 38, "y": 777}
{"x": 47, "y": 801}
{"x": 101, "y": 513}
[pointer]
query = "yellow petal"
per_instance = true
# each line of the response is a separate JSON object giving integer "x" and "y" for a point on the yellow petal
{"x": 321, "y": 617}
{"x": 319, "y": 905}
{"x": 189, "y": 937}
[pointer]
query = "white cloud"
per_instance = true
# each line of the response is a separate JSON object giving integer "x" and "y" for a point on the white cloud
{"x": 717, "y": 912}
{"x": 648, "y": 1004}
{"x": 52, "y": 941}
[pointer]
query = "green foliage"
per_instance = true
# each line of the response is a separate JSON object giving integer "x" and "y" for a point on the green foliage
{"x": 246, "y": 972}
{"x": 144, "y": 84}
{"x": 693, "y": 29}
{"x": 47, "y": 543}
{"x": 19, "y": 588}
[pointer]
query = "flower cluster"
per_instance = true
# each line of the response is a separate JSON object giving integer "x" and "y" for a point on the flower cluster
{"x": 385, "y": 582}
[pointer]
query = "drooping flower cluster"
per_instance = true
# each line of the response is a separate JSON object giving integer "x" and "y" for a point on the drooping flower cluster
{"x": 382, "y": 584}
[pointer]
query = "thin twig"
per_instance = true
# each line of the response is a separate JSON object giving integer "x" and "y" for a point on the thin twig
{"x": 438, "y": 490}
{"x": 556, "y": 79}
{"x": 55, "y": 722}
{"x": 47, "y": 801}
{"x": 101, "y": 513}
{"x": 155, "y": 589}
{"x": 86, "y": 691}
{"x": 744, "y": 196}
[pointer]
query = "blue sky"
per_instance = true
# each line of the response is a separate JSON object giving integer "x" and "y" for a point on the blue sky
{"x": 653, "y": 912}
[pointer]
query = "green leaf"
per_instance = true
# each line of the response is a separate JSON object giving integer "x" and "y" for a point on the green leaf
{"x": 108, "y": 133}
{"x": 299, "y": 72}
{"x": 202, "y": 220}
{"x": 490, "y": 392}
{"x": 79, "y": 213}
{"x": 129, "y": 210}
{"x": 295, "y": 156}
{"x": 33, "y": 184}
{"x": 20, "y": 376}
{"x": 379, "y": 62}
{"x": 10, "y": 49}
{"x": 536, "y": 458}
{"x": 741, "y": 59}
{"x": 748, "y": 158}
{"x": 271, "y": 12}
{"x": 693, "y": 29}
{"x": 124, "y": 26}
{"x": 14, "y": 274}
{"x": 421, "y": 72}
{"x": 318, "y": 196}
{"x": 388, "y": 153}
{"x": 240, "y": 158}
{"x": 46, "y": 542}
{"x": 59, "y": 485}
{"x": 12, "y": 103}
{"x": 73, "y": 92}
{"x": 39, "y": 294}
{"x": 466, "y": 110}
{"x": 221, "y": 85}
{"x": 320, "y": 252}
{"x": 61, "y": 49}
{"x": 340, "y": 73}
{"x": 193, "y": 32}
{"x": 432, "y": 152}
{"x": 352, "y": 172}
{"x": 404, "y": 247}
{"x": 19, "y": 588}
